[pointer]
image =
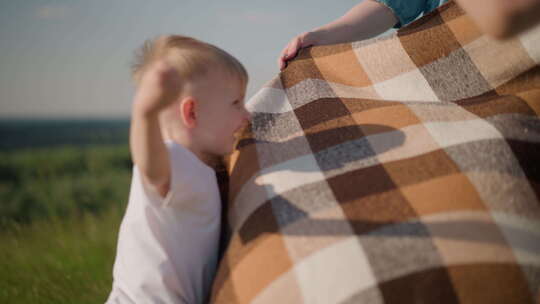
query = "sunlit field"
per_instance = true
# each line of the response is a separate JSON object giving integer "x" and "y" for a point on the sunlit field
{"x": 61, "y": 208}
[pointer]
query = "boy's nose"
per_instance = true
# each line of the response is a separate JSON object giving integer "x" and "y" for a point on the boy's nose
{"x": 247, "y": 115}
{"x": 244, "y": 123}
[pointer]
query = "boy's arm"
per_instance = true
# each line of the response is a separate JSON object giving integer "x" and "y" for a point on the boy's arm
{"x": 159, "y": 88}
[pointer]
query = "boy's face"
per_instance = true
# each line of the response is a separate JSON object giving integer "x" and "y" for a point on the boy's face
{"x": 221, "y": 113}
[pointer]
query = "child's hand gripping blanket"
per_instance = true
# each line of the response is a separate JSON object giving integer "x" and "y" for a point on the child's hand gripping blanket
{"x": 398, "y": 170}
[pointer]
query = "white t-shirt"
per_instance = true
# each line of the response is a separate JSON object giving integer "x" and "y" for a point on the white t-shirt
{"x": 167, "y": 247}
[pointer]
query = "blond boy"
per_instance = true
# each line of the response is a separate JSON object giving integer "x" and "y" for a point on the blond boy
{"x": 188, "y": 106}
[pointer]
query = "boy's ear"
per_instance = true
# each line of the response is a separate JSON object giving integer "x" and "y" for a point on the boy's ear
{"x": 187, "y": 111}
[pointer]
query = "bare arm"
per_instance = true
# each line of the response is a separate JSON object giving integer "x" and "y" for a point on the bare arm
{"x": 503, "y": 18}
{"x": 366, "y": 20}
{"x": 158, "y": 89}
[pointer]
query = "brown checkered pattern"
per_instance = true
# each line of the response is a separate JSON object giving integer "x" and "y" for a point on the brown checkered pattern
{"x": 397, "y": 170}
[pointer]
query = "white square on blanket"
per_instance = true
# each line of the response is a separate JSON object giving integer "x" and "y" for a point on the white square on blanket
{"x": 410, "y": 86}
{"x": 335, "y": 273}
{"x": 531, "y": 42}
{"x": 269, "y": 100}
{"x": 451, "y": 133}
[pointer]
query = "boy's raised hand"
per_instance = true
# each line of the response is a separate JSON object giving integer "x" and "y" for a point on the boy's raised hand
{"x": 159, "y": 87}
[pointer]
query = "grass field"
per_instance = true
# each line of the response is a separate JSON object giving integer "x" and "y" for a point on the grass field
{"x": 59, "y": 218}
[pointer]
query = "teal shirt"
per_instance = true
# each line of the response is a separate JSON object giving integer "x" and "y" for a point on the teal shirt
{"x": 408, "y": 10}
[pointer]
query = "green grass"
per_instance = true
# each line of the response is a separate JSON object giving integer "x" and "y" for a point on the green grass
{"x": 59, "y": 219}
{"x": 59, "y": 261}
{"x": 61, "y": 182}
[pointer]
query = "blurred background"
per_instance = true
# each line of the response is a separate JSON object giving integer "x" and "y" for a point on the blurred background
{"x": 65, "y": 97}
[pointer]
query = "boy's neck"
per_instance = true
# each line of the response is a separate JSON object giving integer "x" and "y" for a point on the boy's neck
{"x": 209, "y": 160}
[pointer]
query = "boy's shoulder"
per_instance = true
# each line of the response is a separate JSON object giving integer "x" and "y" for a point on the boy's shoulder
{"x": 192, "y": 181}
{"x": 187, "y": 168}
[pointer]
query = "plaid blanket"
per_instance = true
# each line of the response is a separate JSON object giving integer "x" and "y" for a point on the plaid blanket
{"x": 397, "y": 170}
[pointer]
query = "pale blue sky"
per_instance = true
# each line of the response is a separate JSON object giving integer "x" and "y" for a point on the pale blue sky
{"x": 71, "y": 58}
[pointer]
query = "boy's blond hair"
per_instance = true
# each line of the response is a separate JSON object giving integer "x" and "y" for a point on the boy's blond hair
{"x": 191, "y": 57}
